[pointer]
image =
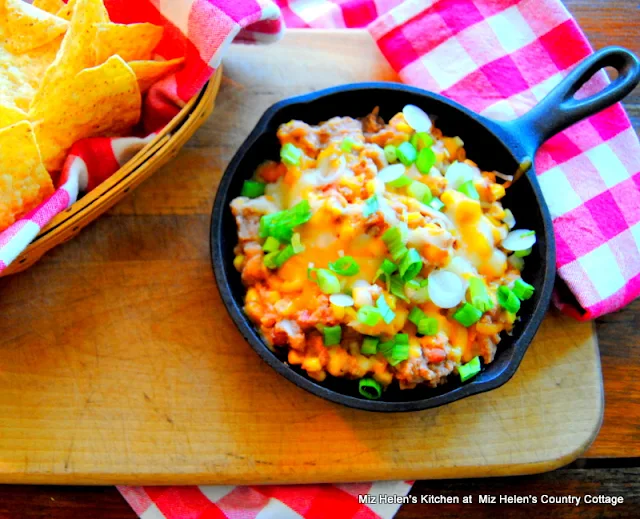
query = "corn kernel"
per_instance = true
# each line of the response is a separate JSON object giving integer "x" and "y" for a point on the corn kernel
{"x": 384, "y": 378}
{"x": 238, "y": 261}
{"x": 404, "y": 127}
{"x": 447, "y": 198}
{"x": 273, "y": 297}
{"x": 294, "y": 357}
{"x": 414, "y": 218}
{"x": 317, "y": 375}
{"x": 497, "y": 190}
{"x": 338, "y": 311}
{"x": 312, "y": 364}
{"x": 252, "y": 296}
{"x": 371, "y": 187}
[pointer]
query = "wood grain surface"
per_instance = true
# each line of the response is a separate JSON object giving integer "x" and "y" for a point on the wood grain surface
{"x": 126, "y": 368}
{"x": 605, "y": 22}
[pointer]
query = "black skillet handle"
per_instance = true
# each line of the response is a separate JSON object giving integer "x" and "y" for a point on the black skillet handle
{"x": 560, "y": 109}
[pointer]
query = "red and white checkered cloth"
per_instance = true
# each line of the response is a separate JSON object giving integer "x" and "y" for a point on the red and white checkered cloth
{"x": 199, "y": 31}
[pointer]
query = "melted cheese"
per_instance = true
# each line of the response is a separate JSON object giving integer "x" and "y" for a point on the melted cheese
{"x": 477, "y": 236}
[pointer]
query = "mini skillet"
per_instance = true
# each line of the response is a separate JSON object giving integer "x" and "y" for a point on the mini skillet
{"x": 502, "y": 146}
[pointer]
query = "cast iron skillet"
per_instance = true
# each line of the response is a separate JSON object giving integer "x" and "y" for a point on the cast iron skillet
{"x": 493, "y": 145}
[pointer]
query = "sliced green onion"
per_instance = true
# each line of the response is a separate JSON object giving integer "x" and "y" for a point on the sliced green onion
{"x": 341, "y": 300}
{"x": 327, "y": 281}
{"x": 332, "y": 335}
{"x": 386, "y": 348}
{"x": 520, "y": 239}
{"x": 523, "y": 290}
{"x": 479, "y": 295}
{"x": 252, "y": 189}
{"x": 270, "y": 260}
{"x": 426, "y": 160}
{"x": 420, "y": 192}
{"x": 370, "y": 388}
{"x": 467, "y": 315}
{"x": 369, "y": 345}
{"x": 345, "y": 266}
{"x": 284, "y": 255}
{"x": 411, "y": 265}
{"x": 401, "y": 181}
{"x": 371, "y": 205}
{"x": 296, "y": 243}
{"x": 399, "y": 352}
{"x": 428, "y": 326}
{"x": 508, "y": 300}
{"x": 385, "y": 311}
{"x": 416, "y": 315}
{"x": 396, "y": 287}
{"x": 516, "y": 262}
{"x": 390, "y": 153}
{"x": 271, "y": 244}
{"x": 290, "y": 154}
{"x": 421, "y": 140}
{"x": 523, "y": 253}
{"x": 386, "y": 269}
{"x": 469, "y": 189}
{"x": 436, "y": 204}
{"x": 394, "y": 241}
{"x": 280, "y": 225}
{"x": 470, "y": 369}
{"x": 406, "y": 153}
{"x": 401, "y": 338}
{"x": 369, "y": 315}
{"x": 347, "y": 145}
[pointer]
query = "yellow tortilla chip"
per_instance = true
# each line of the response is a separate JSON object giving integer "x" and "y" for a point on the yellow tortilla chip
{"x": 100, "y": 101}
{"x": 51, "y": 6}
{"x": 21, "y": 74}
{"x": 76, "y": 51}
{"x": 25, "y": 27}
{"x": 24, "y": 182}
{"x": 67, "y": 11}
{"x": 148, "y": 72}
{"x": 130, "y": 42}
{"x": 9, "y": 116}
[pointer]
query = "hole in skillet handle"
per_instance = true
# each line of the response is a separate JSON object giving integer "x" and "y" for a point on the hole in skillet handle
{"x": 561, "y": 109}
{"x": 356, "y": 101}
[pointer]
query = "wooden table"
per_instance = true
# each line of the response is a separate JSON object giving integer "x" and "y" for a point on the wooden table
{"x": 612, "y": 464}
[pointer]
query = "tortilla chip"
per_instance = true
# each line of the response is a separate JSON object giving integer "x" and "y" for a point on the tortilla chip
{"x": 21, "y": 74}
{"x": 26, "y": 27}
{"x": 148, "y": 72}
{"x": 24, "y": 182}
{"x": 51, "y": 6}
{"x": 67, "y": 11}
{"x": 100, "y": 101}
{"x": 9, "y": 116}
{"x": 130, "y": 42}
{"x": 76, "y": 51}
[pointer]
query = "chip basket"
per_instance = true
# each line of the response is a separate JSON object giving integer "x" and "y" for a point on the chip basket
{"x": 149, "y": 159}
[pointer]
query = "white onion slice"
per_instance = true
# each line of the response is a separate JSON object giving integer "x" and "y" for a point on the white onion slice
{"x": 522, "y": 239}
{"x": 446, "y": 289}
{"x": 457, "y": 174}
{"x": 509, "y": 219}
{"x": 416, "y": 118}
{"x": 342, "y": 300}
{"x": 459, "y": 265}
{"x": 391, "y": 173}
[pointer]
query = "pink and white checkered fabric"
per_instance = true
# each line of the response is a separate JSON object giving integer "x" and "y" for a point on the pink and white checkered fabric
{"x": 199, "y": 31}
{"x": 265, "y": 502}
{"x": 499, "y": 58}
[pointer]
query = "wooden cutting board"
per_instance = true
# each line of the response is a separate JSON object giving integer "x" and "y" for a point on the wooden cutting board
{"x": 119, "y": 364}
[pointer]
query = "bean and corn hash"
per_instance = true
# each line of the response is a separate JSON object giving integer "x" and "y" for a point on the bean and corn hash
{"x": 379, "y": 252}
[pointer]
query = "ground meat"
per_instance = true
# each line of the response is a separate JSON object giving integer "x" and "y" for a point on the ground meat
{"x": 254, "y": 270}
{"x": 248, "y": 213}
{"x": 288, "y": 331}
{"x": 373, "y": 123}
{"x": 311, "y": 138}
{"x": 432, "y": 366}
